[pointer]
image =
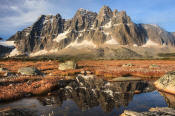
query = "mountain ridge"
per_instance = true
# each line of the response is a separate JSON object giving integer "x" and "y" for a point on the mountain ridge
{"x": 88, "y": 29}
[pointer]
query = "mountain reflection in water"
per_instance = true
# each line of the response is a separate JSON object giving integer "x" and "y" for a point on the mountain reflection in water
{"x": 87, "y": 95}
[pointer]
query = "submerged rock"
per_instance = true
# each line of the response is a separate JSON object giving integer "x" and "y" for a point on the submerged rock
{"x": 29, "y": 71}
{"x": 67, "y": 65}
{"x": 152, "y": 112}
{"x": 166, "y": 83}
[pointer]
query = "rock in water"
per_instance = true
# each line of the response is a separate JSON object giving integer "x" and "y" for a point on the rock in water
{"x": 152, "y": 112}
{"x": 166, "y": 83}
{"x": 29, "y": 71}
{"x": 67, "y": 65}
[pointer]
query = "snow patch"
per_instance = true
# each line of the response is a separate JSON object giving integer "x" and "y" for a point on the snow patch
{"x": 7, "y": 43}
{"x": 27, "y": 34}
{"x": 111, "y": 41}
{"x": 108, "y": 25}
{"x": 14, "y": 52}
{"x": 61, "y": 36}
{"x": 150, "y": 43}
{"x": 84, "y": 43}
{"x": 43, "y": 52}
{"x": 109, "y": 92}
{"x": 135, "y": 45}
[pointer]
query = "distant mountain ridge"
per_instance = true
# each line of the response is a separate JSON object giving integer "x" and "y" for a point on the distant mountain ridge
{"x": 88, "y": 29}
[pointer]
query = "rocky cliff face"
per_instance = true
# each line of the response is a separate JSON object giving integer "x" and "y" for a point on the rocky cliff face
{"x": 159, "y": 36}
{"x": 88, "y": 29}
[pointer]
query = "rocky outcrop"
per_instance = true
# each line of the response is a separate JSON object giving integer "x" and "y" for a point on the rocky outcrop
{"x": 152, "y": 112}
{"x": 166, "y": 83}
{"x": 87, "y": 29}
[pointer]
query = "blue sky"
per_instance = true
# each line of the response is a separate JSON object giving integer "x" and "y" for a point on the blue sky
{"x": 15, "y": 15}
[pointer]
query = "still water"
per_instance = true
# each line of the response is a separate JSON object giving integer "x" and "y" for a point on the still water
{"x": 90, "y": 98}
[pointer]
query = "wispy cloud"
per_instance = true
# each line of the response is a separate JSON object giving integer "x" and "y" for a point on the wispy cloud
{"x": 16, "y": 15}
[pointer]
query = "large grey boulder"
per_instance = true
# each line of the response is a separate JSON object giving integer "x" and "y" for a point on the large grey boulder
{"x": 29, "y": 71}
{"x": 166, "y": 83}
{"x": 67, "y": 65}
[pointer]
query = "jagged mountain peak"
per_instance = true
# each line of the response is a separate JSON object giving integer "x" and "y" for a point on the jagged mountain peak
{"x": 105, "y": 10}
{"x": 104, "y": 15}
{"x": 87, "y": 28}
{"x": 115, "y": 12}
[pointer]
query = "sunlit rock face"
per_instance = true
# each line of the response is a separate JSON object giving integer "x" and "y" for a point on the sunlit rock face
{"x": 88, "y": 92}
{"x": 89, "y": 30}
{"x": 169, "y": 98}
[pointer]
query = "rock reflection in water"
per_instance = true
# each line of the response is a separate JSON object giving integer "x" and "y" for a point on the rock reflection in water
{"x": 88, "y": 92}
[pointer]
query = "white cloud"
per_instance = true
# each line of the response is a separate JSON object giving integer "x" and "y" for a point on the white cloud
{"x": 24, "y": 14}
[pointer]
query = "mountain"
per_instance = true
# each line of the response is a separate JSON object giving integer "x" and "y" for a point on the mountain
{"x": 173, "y": 33}
{"x": 52, "y": 34}
{"x": 1, "y": 38}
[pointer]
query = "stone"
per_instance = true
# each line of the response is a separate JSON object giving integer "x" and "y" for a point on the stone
{"x": 10, "y": 74}
{"x": 83, "y": 72}
{"x": 3, "y": 70}
{"x": 126, "y": 79}
{"x": 29, "y": 71}
{"x": 165, "y": 111}
{"x": 166, "y": 83}
{"x": 67, "y": 65}
{"x": 127, "y": 65}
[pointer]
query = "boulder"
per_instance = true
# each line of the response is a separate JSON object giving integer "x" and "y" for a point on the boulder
{"x": 3, "y": 70}
{"x": 10, "y": 74}
{"x": 165, "y": 111}
{"x": 127, "y": 65}
{"x": 29, "y": 71}
{"x": 67, "y": 65}
{"x": 166, "y": 83}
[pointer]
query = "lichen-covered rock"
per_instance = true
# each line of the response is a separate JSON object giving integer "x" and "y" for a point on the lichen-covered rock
{"x": 165, "y": 111}
{"x": 29, "y": 71}
{"x": 67, "y": 65}
{"x": 166, "y": 83}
